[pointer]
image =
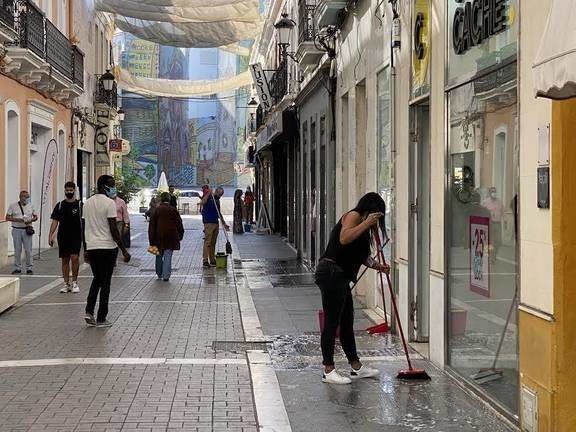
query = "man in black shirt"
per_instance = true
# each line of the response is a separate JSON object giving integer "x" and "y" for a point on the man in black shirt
{"x": 67, "y": 218}
{"x": 173, "y": 199}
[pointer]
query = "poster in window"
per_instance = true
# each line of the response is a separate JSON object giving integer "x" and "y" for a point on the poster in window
{"x": 479, "y": 256}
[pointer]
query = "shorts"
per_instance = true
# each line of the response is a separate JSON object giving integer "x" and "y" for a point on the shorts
{"x": 68, "y": 246}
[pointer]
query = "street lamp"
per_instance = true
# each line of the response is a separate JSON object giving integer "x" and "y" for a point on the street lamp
{"x": 283, "y": 28}
{"x": 107, "y": 80}
{"x": 121, "y": 114}
{"x": 252, "y": 106}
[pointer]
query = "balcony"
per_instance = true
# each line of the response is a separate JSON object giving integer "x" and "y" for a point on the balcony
{"x": 307, "y": 52}
{"x": 7, "y": 21}
{"x": 103, "y": 97}
{"x": 328, "y": 11}
{"x": 279, "y": 82}
{"x": 39, "y": 54}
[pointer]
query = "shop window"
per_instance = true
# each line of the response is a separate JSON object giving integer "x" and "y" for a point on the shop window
{"x": 482, "y": 252}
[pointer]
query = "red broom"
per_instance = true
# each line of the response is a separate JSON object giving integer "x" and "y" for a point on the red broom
{"x": 411, "y": 373}
{"x": 384, "y": 327}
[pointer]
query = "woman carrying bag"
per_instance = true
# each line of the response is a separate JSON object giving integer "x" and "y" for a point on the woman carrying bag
{"x": 165, "y": 232}
{"x": 347, "y": 250}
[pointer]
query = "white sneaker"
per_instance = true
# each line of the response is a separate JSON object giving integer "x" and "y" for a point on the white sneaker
{"x": 65, "y": 289}
{"x": 364, "y": 372}
{"x": 335, "y": 378}
{"x": 75, "y": 288}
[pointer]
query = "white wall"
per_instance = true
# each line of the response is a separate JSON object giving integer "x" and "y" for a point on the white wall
{"x": 535, "y": 224}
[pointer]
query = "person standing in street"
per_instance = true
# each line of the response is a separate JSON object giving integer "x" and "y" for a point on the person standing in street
{"x": 347, "y": 250}
{"x": 211, "y": 218}
{"x": 249, "y": 206}
{"x": 165, "y": 231}
{"x": 22, "y": 215}
{"x": 67, "y": 229}
{"x": 237, "y": 226}
{"x": 173, "y": 198}
{"x": 122, "y": 218}
{"x": 101, "y": 240}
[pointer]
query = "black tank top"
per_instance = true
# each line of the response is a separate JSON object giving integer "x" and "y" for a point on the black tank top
{"x": 348, "y": 257}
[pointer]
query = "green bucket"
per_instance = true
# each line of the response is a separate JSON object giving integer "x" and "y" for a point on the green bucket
{"x": 221, "y": 260}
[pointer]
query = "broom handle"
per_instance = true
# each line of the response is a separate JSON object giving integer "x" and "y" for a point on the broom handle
{"x": 382, "y": 260}
{"x": 221, "y": 218}
{"x": 366, "y": 269}
{"x": 397, "y": 315}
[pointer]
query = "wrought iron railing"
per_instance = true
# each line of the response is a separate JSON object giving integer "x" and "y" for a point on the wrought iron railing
{"x": 78, "y": 65}
{"x": 59, "y": 52}
{"x": 306, "y": 20}
{"x": 31, "y": 28}
{"x": 279, "y": 82}
{"x": 102, "y": 96}
{"x": 7, "y": 8}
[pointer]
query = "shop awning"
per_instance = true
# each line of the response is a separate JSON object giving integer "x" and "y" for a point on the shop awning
{"x": 555, "y": 65}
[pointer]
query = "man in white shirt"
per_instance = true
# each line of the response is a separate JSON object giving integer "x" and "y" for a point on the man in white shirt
{"x": 101, "y": 240}
{"x": 22, "y": 214}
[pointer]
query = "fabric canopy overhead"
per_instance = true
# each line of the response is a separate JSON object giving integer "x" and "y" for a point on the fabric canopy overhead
{"x": 180, "y": 88}
{"x": 555, "y": 66}
{"x": 190, "y": 35}
{"x": 192, "y": 11}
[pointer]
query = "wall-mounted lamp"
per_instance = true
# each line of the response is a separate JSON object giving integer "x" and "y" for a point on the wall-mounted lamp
{"x": 108, "y": 80}
{"x": 284, "y": 28}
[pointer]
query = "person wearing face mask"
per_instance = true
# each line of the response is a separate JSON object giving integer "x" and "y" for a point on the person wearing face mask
{"x": 67, "y": 229}
{"x": 22, "y": 215}
{"x": 122, "y": 217}
{"x": 101, "y": 240}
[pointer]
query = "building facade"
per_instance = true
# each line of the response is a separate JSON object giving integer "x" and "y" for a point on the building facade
{"x": 436, "y": 111}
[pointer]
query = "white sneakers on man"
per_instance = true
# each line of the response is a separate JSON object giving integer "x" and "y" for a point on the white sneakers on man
{"x": 75, "y": 288}
{"x": 335, "y": 378}
{"x": 66, "y": 288}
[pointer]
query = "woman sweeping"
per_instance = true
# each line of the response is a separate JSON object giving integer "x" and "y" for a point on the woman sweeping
{"x": 348, "y": 249}
{"x": 237, "y": 226}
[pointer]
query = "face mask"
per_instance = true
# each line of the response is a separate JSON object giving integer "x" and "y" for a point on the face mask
{"x": 70, "y": 195}
{"x": 111, "y": 192}
{"x": 27, "y": 201}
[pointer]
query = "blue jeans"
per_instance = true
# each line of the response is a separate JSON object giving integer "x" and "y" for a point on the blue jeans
{"x": 164, "y": 264}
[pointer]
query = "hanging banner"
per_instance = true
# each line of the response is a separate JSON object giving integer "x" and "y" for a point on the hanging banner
{"x": 101, "y": 138}
{"x": 262, "y": 86}
{"x": 479, "y": 255}
{"x": 50, "y": 161}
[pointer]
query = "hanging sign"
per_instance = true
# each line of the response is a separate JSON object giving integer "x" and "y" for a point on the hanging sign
{"x": 262, "y": 87}
{"x": 101, "y": 137}
{"x": 421, "y": 46}
{"x": 115, "y": 145}
{"x": 50, "y": 160}
{"x": 477, "y": 20}
{"x": 479, "y": 255}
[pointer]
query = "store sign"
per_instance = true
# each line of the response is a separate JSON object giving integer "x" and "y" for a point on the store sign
{"x": 479, "y": 255}
{"x": 115, "y": 145}
{"x": 101, "y": 137}
{"x": 421, "y": 47}
{"x": 274, "y": 127}
{"x": 476, "y": 21}
{"x": 262, "y": 87}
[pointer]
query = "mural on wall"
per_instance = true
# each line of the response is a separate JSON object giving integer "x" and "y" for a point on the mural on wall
{"x": 193, "y": 140}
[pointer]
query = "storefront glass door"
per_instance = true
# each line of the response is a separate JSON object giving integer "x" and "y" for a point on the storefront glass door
{"x": 482, "y": 231}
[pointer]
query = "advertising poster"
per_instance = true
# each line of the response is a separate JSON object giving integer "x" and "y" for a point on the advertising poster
{"x": 479, "y": 257}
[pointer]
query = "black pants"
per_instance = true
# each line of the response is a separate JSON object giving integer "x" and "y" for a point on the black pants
{"x": 338, "y": 311}
{"x": 102, "y": 263}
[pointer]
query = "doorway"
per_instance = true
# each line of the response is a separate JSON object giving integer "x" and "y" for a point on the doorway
{"x": 419, "y": 288}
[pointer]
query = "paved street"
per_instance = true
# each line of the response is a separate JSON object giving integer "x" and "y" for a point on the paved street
{"x": 214, "y": 350}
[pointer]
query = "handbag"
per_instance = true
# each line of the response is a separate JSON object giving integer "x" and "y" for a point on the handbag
{"x": 29, "y": 228}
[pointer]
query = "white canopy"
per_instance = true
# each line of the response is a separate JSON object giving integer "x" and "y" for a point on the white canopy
{"x": 555, "y": 66}
{"x": 190, "y": 35}
{"x": 179, "y": 11}
{"x": 180, "y": 88}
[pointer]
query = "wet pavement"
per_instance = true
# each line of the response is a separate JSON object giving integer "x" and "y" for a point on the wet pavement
{"x": 234, "y": 350}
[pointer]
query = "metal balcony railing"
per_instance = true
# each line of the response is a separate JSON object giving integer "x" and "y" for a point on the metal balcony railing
{"x": 78, "y": 66}
{"x": 31, "y": 28}
{"x": 279, "y": 82}
{"x": 43, "y": 38}
{"x": 59, "y": 51}
{"x": 102, "y": 96}
{"x": 306, "y": 21}
{"x": 7, "y": 8}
